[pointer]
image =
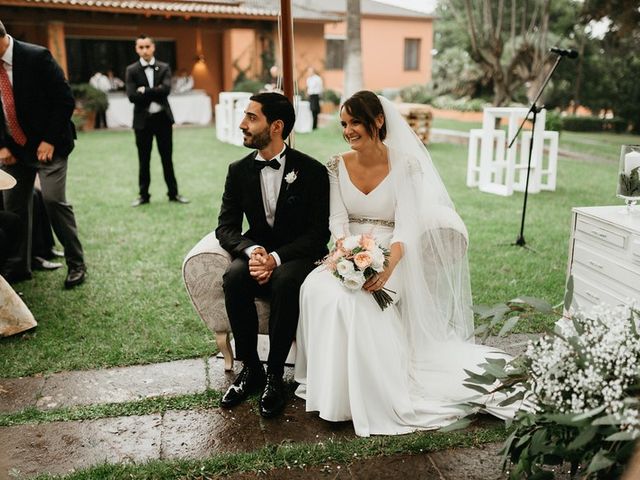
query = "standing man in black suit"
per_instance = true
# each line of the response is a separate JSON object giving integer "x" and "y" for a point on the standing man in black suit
{"x": 284, "y": 195}
{"x": 37, "y": 136}
{"x": 148, "y": 84}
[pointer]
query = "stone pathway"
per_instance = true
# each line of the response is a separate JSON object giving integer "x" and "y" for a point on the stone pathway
{"x": 62, "y": 447}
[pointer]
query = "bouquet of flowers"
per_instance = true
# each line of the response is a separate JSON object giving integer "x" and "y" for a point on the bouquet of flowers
{"x": 357, "y": 258}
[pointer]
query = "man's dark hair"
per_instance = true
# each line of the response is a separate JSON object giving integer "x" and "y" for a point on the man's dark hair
{"x": 365, "y": 106}
{"x": 276, "y": 106}
{"x": 3, "y": 31}
{"x": 142, "y": 36}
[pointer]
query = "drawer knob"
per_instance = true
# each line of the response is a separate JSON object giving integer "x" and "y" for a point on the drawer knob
{"x": 592, "y": 295}
{"x": 595, "y": 264}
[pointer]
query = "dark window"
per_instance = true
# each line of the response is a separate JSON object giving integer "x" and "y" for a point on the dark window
{"x": 86, "y": 56}
{"x": 411, "y": 53}
{"x": 335, "y": 54}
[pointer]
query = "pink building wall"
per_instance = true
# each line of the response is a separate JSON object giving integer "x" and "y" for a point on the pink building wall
{"x": 383, "y": 52}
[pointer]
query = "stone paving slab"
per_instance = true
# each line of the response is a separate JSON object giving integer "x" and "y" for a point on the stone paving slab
{"x": 19, "y": 393}
{"x": 62, "y": 447}
{"x": 123, "y": 384}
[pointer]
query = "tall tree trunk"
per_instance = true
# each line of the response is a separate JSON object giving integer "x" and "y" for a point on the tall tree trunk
{"x": 353, "y": 50}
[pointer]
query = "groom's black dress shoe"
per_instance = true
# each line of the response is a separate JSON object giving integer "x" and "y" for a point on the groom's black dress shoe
{"x": 274, "y": 397}
{"x": 75, "y": 276}
{"x": 250, "y": 380}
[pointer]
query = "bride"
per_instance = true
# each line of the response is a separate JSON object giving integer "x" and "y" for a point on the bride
{"x": 398, "y": 369}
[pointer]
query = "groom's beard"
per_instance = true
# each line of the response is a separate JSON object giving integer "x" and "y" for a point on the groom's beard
{"x": 257, "y": 140}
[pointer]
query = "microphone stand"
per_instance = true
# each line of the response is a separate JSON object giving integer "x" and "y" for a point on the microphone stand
{"x": 534, "y": 109}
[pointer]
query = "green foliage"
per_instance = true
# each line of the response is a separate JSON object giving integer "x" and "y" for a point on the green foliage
{"x": 455, "y": 73}
{"x": 248, "y": 85}
{"x": 89, "y": 98}
{"x": 331, "y": 96}
{"x": 594, "y": 124}
{"x": 554, "y": 121}
{"x": 591, "y": 442}
{"x": 447, "y": 102}
{"x": 417, "y": 94}
{"x": 630, "y": 184}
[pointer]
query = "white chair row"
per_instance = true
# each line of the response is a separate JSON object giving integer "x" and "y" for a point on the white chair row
{"x": 494, "y": 168}
{"x": 230, "y": 110}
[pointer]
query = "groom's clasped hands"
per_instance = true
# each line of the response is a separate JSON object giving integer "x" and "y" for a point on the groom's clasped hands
{"x": 261, "y": 265}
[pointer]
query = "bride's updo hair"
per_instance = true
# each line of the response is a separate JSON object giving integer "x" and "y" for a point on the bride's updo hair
{"x": 365, "y": 106}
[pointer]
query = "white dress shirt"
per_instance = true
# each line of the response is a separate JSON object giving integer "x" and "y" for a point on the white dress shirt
{"x": 270, "y": 182}
{"x": 154, "y": 107}
{"x": 314, "y": 85}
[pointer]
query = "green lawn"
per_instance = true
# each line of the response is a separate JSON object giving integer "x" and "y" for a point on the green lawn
{"x": 134, "y": 308}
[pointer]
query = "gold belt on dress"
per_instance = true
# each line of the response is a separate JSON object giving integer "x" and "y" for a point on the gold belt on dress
{"x": 373, "y": 221}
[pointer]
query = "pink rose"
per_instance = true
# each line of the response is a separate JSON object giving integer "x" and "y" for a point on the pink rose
{"x": 367, "y": 242}
{"x": 362, "y": 259}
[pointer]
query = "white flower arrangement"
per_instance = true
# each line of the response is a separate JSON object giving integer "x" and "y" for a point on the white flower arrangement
{"x": 595, "y": 367}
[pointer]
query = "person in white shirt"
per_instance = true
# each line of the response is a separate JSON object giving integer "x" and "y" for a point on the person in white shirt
{"x": 314, "y": 90}
{"x": 101, "y": 82}
{"x": 183, "y": 82}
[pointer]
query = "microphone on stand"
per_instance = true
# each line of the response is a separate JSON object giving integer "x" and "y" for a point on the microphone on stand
{"x": 564, "y": 52}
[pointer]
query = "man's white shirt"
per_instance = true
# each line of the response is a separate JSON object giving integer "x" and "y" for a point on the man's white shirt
{"x": 154, "y": 107}
{"x": 270, "y": 182}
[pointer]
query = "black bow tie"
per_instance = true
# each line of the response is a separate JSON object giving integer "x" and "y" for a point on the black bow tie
{"x": 273, "y": 163}
{"x": 148, "y": 66}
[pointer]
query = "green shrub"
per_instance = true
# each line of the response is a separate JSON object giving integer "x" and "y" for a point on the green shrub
{"x": 582, "y": 124}
{"x": 554, "y": 121}
{"x": 464, "y": 104}
{"x": 331, "y": 96}
{"x": 89, "y": 98}
{"x": 417, "y": 94}
{"x": 248, "y": 85}
{"x": 617, "y": 124}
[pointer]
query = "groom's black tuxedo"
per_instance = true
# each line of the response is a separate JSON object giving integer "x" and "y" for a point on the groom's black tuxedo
{"x": 299, "y": 236}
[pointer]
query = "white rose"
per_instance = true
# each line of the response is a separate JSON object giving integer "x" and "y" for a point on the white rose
{"x": 349, "y": 243}
{"x": 377, "y": 260}
{"x": 354, "y": 280}
{"x": 345, "y": 267}
{"x": 291, "y": 177}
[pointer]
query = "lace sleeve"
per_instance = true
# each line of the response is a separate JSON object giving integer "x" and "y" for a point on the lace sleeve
{"x": 338, "y": 215}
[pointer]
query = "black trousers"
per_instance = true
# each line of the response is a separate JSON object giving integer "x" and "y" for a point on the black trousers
{"x": 314, "y": 105}
{"x": 158, "y": 125}
{"x": 9, "y": 235}
{"x": 19, "y": 200}
{"x": 283, "y": 290}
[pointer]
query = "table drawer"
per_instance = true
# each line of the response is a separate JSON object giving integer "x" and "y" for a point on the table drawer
{"x": 586, "y": 294}
{"x": 603, "y": 234}
{"x": 627, "y": 273}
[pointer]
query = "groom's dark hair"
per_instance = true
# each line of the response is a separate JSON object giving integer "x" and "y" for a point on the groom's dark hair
{"x": 276, "y": 106}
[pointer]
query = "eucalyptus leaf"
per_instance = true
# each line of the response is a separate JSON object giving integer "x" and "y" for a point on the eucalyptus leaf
{"x": 485, "y": 379}
{"x": 477, "y": 388}
{"x": 512, "y": 399}
{"x": 457, "y": 425}
{"x": 539, "y": 442}
{"x": 599, "y": 461}
{"x": 508, "y": 325}
{"x": 606, "y": 420}
{"x": 568, "y": 293}
{"x": 589, "y": 413}
{"x": 623, "y": 436}
{"x": 538, "y": 303}
{"x": 583, "y": 438}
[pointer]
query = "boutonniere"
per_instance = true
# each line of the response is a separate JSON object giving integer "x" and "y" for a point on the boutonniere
{"x": 290, "y": 177}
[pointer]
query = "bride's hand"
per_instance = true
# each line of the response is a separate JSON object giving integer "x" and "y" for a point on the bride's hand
{"x": 377, "y": 281}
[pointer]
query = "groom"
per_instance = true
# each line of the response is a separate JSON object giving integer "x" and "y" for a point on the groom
{"x": 284, "y": 195}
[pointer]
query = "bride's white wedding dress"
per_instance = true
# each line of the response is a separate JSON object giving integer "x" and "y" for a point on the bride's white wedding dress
{"x": 354, "y": 360}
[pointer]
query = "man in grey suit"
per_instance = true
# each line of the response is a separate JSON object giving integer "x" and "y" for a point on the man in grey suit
{"x": 37, "y": 136}
{"x": 148, "y": 84}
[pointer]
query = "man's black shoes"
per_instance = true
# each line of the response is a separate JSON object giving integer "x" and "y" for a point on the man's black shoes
{"x": 139, "y": 201}
{"x": 274, "y": 397}
{"x": 250, "y": 380}
{"x": 75, "y": 276}
{"x": 179, "y": 199}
